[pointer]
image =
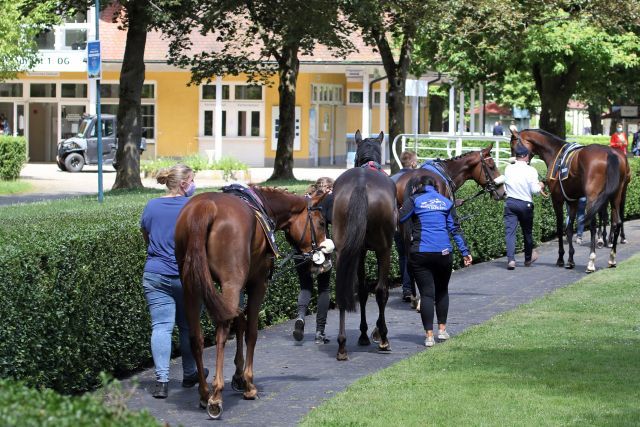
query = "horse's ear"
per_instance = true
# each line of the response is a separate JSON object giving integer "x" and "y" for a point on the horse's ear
{"x": 317, "y": 197}
{"x": 486, "y": 152}
{"x": 514, "y": 130}
{"x": 358, "y": 137}
{"x": 381, "y": 137}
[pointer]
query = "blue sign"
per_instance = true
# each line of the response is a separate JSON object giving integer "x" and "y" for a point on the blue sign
{"x": 94, "y": 62}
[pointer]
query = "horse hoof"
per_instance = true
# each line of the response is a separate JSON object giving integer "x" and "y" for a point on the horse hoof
{"x": 238, "y": 384}
{"x": 342, "y": 357}
{"x": 375, "y": 335}
{"x": 364, "y": 340}
{"x": 588, "y": 270}
{"x": 560, "y": 263}
{"x": 612, "y": 264}
{"x": 570, "y": 266}
{"x": 214, "y": 409}
{"x": 384, "y": 348}
{"x": 623, "y": 241}
{"x": 250, "y": 395}
{"x": 600, "y": 244}
{"x": 202, "y": 404}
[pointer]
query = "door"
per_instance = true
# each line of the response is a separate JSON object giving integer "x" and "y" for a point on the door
{"x": 43, "y": 131}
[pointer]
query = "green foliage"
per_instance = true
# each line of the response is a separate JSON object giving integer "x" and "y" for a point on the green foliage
{"x": 13, "y": 156}
{"x": 14, "y": 187}
{"x": 23, "y": 406}
{"x": 196, "y": 162}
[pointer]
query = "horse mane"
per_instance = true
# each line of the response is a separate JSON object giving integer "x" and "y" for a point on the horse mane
{"x": 280, "y": 190}
{"x": 455, "y": 158}
{"x": 547, "y": 134}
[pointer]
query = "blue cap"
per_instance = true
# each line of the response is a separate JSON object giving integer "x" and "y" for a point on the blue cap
{"x": 521, "y": 151}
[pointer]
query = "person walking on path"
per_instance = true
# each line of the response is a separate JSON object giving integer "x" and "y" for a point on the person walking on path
{"x": 161, "y": 280}
{"x": 431, "y": 254}
{"x": 521, "y": 182}
{"x": 619, "y": 140}
{"x": 498, "y": 130}
{"x": 635, "y": 146}
{"x": 324, "y": 184}
{"x": 409, "y": 161}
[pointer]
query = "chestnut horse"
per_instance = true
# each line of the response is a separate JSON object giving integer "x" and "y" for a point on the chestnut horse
{"x": 364, "y": 218}
{"x": 219, "y": 240}
{"x": 595, "y": 171}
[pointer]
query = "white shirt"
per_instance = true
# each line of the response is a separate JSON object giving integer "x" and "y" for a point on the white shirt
{"x": 521, "y": 181}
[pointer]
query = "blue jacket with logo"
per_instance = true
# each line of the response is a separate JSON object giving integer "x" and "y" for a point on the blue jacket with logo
{"x": 433, "y": 221}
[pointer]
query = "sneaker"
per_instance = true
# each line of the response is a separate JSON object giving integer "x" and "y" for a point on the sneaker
{"x": 160, "y": 390}
{"x": 406, "y": 297}
{"x": 191, "y": 380}
{"x": 443, "y": 335}
{"x": 534, "y": 257}
{"x": 321, "y": 338}
{"x": 429, "y": 341}
{"x": 298, "y": 330}
{"x": 511, "y": 265}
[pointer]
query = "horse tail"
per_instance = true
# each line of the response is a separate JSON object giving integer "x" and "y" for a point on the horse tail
{"x": 347, "y": 268}
{"x": 194, "y": 268}
{"x": 410, "y": 188}
{"x": 612, "y": 183}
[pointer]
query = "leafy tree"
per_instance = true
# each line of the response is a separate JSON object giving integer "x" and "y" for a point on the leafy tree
{"x": 391, "y": 27}
{"x": 260, "y": 39}
{"x": 18, "y": 31}
{"x": 559, "y": 43}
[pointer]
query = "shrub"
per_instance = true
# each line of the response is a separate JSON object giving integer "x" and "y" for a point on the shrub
{"x": 13, "y": 156}
{"x": 20, "y": 405}
{"x": 195, "y": 162}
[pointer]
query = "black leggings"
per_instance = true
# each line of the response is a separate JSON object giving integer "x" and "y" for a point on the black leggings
{"x": 304, "y": 297}
{"x": 432, "y": 272}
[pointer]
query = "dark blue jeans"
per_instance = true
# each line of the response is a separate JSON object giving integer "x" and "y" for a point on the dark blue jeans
{"x": 582, "y": 204}
{"x": 518, "y": 212}
{"x": 407, "y": 285}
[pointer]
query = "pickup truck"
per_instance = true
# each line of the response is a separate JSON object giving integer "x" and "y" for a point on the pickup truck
{"x": 82, "y": 149}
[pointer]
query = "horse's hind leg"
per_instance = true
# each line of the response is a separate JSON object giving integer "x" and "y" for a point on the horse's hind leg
{"x": 572, "y": 216}
{"x": 558, "y": 209}
{"x": 192, "y": 313}
{"x": 382, "y": 296}
{"x": 363, "y": 295}
{"x": 342, "y": 338}
{"x": 256, "y": 291}
{"x": 591, "y": 265}
{"x": 237, "y": 382}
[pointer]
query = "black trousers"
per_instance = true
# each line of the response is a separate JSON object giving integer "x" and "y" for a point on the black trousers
{"x": 518, "y": 212}
{"x": 306, "y": 288}
{"x": 432, "y": 272}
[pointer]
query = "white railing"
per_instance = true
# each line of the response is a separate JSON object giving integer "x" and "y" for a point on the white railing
{"x": 500, "y": 152}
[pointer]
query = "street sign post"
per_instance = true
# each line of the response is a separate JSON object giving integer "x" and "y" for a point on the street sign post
{"x": 94, "y": 72}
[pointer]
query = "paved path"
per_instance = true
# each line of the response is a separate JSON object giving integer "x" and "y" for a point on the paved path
{"x": 294, "y": 378}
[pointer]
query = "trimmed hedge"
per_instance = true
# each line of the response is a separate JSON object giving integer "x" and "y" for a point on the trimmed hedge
{"x": 71, "y": 300}
{"x": 23, "y": 406}
{"x": 13, "y": 156}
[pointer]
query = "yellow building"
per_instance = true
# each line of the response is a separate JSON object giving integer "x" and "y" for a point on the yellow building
{"x": 226, "y": 117}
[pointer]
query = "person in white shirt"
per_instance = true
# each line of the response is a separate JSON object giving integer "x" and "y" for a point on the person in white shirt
{"x": 520, "y": 185}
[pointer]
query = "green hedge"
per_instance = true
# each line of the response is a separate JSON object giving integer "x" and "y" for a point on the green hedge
{"x": 24, "y": 406}
{"x": 71, "y": 300}
{"x": 13, "y": 156}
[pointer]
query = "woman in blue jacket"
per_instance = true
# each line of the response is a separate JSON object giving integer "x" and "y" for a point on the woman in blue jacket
{"x": 430, "y": 255}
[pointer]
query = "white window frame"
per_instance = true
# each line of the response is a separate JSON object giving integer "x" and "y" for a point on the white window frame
{"x": 232, "y": 106}
{"x": 372, "y": 99}
{"x": 143, "y": 101}
{"x": 327, "y": 94}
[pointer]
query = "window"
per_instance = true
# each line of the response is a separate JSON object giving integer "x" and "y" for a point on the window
{"x": 209, "y": 91}
{"x": 75, "y": 38}
{"x": 148, "y": 91}
{"x": 255, "y": 123}
{"x": 248, "y": 124}
{"x": 355, "y": 97}
{"x": 77, "y": 18}
{"x": 107, "y": 128}
{"x": 148, "y": 119}
{"x": 248, "y": 92}
{"x": 242, "y": 123}
{"x": 208, "y": 123}
{"x": 10, "y": 90}
{"x": 46, "y": 39}
{"x": 43, "y": 90}
{"x": 109, "y": 109}
{"x": 109, "y": 90}
{"x": 72, "y": 90}
{"x": 326, "y": 94}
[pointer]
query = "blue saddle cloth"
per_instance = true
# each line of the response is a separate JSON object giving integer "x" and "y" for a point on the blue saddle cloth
{"x": 562, "y": 163}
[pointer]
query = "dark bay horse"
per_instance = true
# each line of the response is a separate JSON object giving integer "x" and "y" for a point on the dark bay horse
{"x": 597, "y": 172}
{"x": 476, "y": 165}
{"x": 364, "y": 218}
{"x": 219, "y": 240}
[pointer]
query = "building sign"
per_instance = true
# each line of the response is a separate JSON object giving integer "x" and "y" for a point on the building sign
{"x": 354, "y": 73}
{"x": 94, "y": 63}
{"x": 629, "y": 111}
{"x": 57, "y": 61}
{"x": 416, "y": 88}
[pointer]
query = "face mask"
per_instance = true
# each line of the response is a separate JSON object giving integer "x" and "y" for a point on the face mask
{"x": 619, "y": 130}
{"x": 191, "y": 189}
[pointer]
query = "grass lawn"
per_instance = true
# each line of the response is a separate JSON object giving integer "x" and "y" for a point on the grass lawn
{"x": 14, "y": 187}
{"x": 571, "y": 358}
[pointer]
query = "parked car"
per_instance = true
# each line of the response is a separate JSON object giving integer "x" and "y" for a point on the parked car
{"x": 82, "y": 149}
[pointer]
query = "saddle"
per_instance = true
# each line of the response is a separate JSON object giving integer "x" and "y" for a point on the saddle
{"x": 372, "y": 165}
{"x": 249, "y": 196}
{"x": 561, "y": 165}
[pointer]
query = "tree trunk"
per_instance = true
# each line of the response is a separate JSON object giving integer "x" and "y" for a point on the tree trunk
{"x": 288, "y": 67}
{"x": 129, "y": 113}
{"x": 595, "y": 113}
{"x": 555, "y": 92}
{"x": 397, "y": 76}
{"x": 436, "y": 110}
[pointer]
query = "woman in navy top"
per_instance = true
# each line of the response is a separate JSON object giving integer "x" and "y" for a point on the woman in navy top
{"x": 430, "y": 255}
{"x": 161, "y": 280}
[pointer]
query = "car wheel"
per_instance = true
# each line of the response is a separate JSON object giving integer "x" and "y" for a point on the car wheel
{"x": 74, "y": 162}
{"x": 61, "y": 165}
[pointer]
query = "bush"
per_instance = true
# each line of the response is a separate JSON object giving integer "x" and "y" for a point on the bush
{"x": 13, "y": 156}
{"x": 20, "y": 405}
{"x": 195, "y": 162}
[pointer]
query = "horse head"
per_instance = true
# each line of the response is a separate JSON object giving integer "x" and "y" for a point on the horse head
{"x": 487, "y": 174}
{"x": 517, "y": 139}
{"x": 368, "y": 149}
{"x": 307, "y": 230}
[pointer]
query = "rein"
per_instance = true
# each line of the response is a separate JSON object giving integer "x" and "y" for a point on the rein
{"x": 489, "y": 187}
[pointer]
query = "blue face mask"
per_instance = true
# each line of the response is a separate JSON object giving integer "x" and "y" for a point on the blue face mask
{"x": 191, "y": 189}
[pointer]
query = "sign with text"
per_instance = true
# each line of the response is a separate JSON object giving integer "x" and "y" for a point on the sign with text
{"x": 94, "y": 62}
{"x": 629, "y": 111}
{"x": 57, "y": 61}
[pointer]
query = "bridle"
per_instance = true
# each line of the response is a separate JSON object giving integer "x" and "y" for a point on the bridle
{"x": 490, "y": 186}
